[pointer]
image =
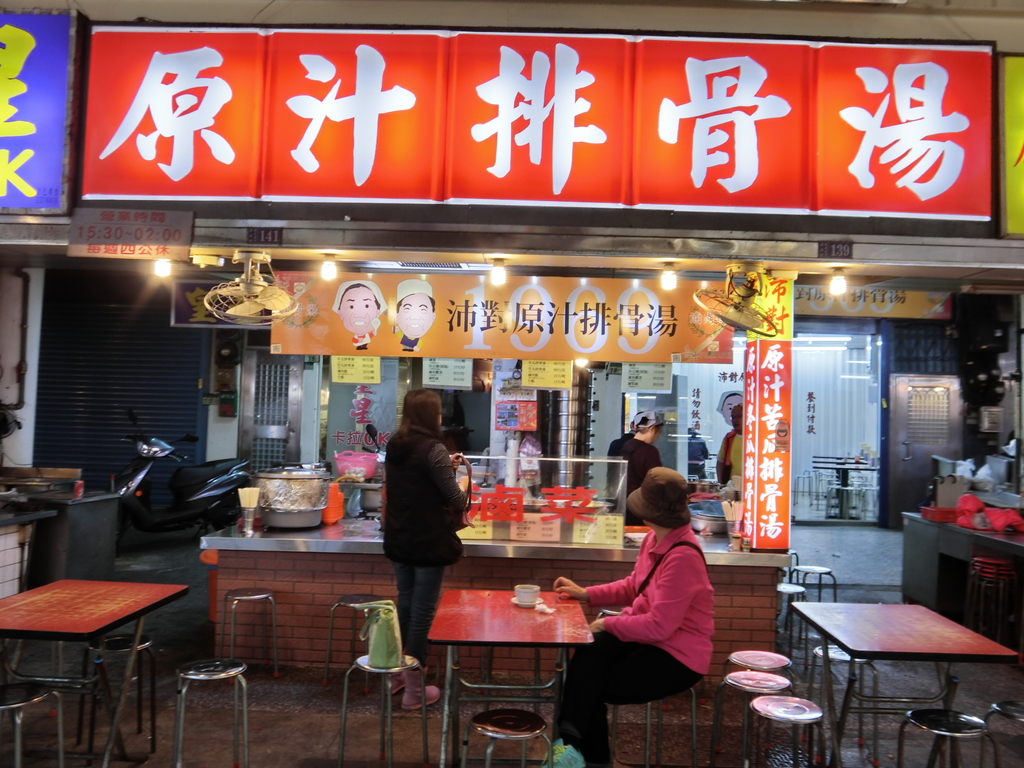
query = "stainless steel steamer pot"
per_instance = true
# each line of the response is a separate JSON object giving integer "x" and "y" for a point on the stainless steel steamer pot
{"x": 293, "y": 496}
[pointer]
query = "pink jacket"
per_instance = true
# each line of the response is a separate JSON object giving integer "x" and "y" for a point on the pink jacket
{"x": 675, "y": 611}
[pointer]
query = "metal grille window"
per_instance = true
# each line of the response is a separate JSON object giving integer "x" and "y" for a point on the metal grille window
{"x": 928, "y": 415}
{"x": 267, "y": 452}
{"x": 271, "y": 401}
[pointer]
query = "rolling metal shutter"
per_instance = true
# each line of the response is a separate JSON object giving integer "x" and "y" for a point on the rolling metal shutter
{"x": 96, "y": 362}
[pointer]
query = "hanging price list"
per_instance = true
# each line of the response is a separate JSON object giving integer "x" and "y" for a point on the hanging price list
{"x": 647, "y": 377}
{"x": 355, "y": 370}
{"x": 606, "y": 529}
{"x": 547, "y": 374}
{"x": 447, "y": 373}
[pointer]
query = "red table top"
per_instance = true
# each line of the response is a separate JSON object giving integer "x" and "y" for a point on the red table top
{"x": 79, "y": 610}
{"x": 900, "y": 632}
{"x": 488, "y": 617}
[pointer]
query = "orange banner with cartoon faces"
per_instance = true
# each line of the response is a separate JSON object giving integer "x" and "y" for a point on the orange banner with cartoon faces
{"x": 550, "y": 318}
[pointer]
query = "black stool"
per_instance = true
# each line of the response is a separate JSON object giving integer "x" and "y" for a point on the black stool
{"x": 1011, "y": 710}
{"x": 508, "y": 724}
{"x": 948, "y": 726}
{"x": 18, "y": 695}
{"x": 212, "y": 669}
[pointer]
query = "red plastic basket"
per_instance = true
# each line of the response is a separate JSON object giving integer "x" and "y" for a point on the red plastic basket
{"x": 939, "y": 514}
{"x": 365, "y": 463}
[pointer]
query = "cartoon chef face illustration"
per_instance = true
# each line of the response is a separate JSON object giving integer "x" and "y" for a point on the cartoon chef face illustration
{"x": 729, "y": 401}
{"x": 415, "y": 312}
{"x": 359, "y": 304}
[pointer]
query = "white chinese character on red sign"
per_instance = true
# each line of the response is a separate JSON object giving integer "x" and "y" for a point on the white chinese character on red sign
{"x": 773, "y": 358}
{"x": 771, "y": 469}
{"x": 169, "y": 94}
{"x": 771, "y": 493}
{"x": 519, "y": 97}
{"x": 771, "y": 528}
{"x": 364, "y": 108}
{"x": 919, "y": 108}
{"x": 722, "y": 91}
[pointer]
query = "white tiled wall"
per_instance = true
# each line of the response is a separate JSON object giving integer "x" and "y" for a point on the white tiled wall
{"x": 10, "y": 561}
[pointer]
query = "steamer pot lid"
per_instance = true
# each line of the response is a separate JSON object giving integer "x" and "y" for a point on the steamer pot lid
{"x": 295, "y": 472}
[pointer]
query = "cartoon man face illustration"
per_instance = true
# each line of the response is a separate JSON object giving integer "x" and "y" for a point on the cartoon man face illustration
{"x": 415, "y": 312}
{"x": 729, "y": 401}
{"x": 359, "y": 304}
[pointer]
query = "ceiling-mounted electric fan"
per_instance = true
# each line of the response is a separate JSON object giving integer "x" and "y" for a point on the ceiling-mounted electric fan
{"x": 8, "y": 424}
{"x": 250, "y": 299}
{"x": 736, "y": 307}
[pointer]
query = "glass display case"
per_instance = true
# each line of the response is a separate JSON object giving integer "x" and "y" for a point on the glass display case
{"x": 548, "y": 500}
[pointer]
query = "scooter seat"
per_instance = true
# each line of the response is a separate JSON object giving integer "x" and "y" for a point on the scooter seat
{"x": 186, "y": 480}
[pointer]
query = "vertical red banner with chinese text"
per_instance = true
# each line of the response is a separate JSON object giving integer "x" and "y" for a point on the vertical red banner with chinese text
{"x": 905, "y": 130}
{"x": 539, "y": 118}
{"x": 723, "y": 124}
{"x": 767, "y": 425}
{"x": 174, "y": 114}
{"x": 355, "y": 116}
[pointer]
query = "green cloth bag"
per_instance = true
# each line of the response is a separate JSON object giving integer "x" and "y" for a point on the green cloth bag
{"x": 383, "y": 638}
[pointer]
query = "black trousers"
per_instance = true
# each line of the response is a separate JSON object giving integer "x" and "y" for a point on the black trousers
{"x": 610, "y": 671}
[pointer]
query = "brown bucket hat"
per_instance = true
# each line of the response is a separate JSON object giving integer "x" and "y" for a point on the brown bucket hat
{"x": 661, "y": 499}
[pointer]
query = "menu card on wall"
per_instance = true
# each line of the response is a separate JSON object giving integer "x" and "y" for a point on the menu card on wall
{"x": 448, "y": 373}
{"x": 547, "y": 374}
{"x": 606, "y": 529}
{"x": 355, "y": 370}
{"x": 479, "y": 530}
{"x": 533, "y": 529}
{"x": 647, "y": 377}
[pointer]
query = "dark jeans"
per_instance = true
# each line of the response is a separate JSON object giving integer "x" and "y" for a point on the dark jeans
{"x": 610, "y": 671}
{"x": 419, "y": 590}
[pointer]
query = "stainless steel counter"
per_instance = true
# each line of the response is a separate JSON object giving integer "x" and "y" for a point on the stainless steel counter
{"x": 357, "y": 536}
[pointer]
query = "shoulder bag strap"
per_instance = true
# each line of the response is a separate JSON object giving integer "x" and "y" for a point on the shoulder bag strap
{"x": 657, "y": 562}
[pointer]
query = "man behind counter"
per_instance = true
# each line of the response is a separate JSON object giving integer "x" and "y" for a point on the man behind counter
{"x": 730, "y": 455}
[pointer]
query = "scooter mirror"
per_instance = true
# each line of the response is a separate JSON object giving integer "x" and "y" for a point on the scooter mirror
{"x": 132, "y": 417}
{"x": 372, "y": 432}
{"x": 190, "y": 438}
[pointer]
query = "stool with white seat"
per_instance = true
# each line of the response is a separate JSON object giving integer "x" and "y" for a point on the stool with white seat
{"x": 799, "y": 713}
{"x": 347, "y": 601}
{"x": 751, "y": 684}
{"x": 801, "y": 573}
{"x": 790, "y": 593}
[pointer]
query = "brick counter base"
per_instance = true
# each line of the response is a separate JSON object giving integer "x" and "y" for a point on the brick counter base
{"x": 306, "y": 585}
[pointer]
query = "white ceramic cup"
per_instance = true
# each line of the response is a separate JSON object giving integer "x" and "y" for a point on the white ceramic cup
{"x": 527, "y": 594}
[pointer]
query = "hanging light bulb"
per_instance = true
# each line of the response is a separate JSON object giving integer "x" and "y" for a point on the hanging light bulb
{"x": 837, "y": 286}
{"x": 668, "y": 277}
{"x": 162, "y": 267}
{"x": 329, "y": 269}
{"x": 498, "y": 272}
{"x": 581, "y": 362}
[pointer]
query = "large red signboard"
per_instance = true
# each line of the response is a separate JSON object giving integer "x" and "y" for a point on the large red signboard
{"x": 776, "y": 126}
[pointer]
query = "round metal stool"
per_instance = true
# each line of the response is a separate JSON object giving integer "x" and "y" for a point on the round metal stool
{"x": 236, "y": 596}
{"x": 118, "y": 644}
{"x": 751, "y": 683}
{"x": 837, "y": 654}
{"x": 18, "y": 695}
{"x": 212, "y": 669}
{"x": 804, "y": 572}
{"x": 1012, "y": 710}
{"x": 948, "y": 726}
{"x": 759, "y": 661}
{"x": 346, "y": 601}
{"x": 408, "y": 664}
{"x": 790, "y": 593}
{"x": 509, "y": 724}
{"x": 799, "y": 713}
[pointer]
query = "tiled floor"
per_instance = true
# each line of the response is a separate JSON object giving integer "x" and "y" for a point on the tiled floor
{"x": 294, "y": 720}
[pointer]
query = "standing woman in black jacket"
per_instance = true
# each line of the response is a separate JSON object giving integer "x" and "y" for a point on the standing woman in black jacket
{"x": 424, "y": 508}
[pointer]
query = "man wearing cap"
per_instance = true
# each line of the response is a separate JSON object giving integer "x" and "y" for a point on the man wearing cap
{"x": 415, "y": 312}
{"x": 641, "y": 455}
{"x": 660, "y": 644}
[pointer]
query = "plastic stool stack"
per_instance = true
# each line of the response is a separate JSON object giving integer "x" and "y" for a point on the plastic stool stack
{"x": 991, "y": 597}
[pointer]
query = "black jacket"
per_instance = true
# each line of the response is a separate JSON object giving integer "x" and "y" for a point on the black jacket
{"x": 424, "y": 503}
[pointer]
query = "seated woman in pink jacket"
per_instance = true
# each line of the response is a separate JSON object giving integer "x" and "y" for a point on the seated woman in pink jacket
{"x": 660, "y": 645}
